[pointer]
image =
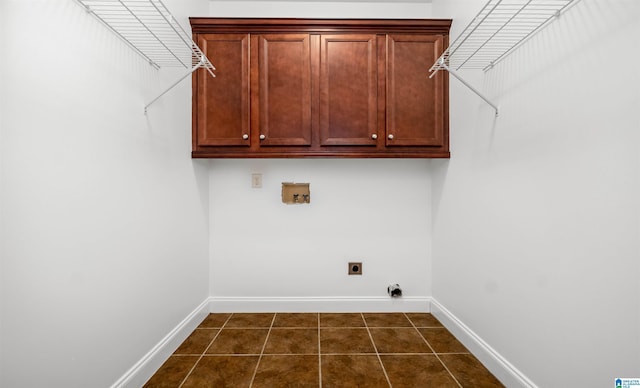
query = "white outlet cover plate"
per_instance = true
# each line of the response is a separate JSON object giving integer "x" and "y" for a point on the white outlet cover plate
{"x": 256, "y": 180}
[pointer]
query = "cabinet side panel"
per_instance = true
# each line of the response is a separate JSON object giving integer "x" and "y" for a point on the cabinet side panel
{"x": 348, "y": 89}
{"x": 285, "y": 89}
{"x": 223, "y": 109}
{"x": 415, "y": 110}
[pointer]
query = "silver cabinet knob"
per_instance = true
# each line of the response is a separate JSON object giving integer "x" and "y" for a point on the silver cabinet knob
{"x": 390, "y": 137}
{"x": 245, "y": 136}
{"x": 262, "y": 137}
{"x": 374, "y": 136}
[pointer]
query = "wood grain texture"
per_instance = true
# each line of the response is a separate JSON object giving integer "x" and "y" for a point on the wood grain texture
{"x": 284, "y": 73}
{"x": 415, "y": 109}
{"x": 320, "y": 88}
{"x": 222, "y": 103}
{"x": 348, "y": 89}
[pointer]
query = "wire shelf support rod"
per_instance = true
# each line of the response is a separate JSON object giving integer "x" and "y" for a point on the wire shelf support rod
{"x": 150, "y": 29}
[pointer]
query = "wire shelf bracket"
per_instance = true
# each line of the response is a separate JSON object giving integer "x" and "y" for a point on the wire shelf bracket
{"x": 497, "y": 30}
{"x": 150, "y": 29}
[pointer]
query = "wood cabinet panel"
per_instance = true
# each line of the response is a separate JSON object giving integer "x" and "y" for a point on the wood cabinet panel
{"x": 415, "y": 104}
{"x": 293, "y": 88}
{"x": 284, "y": 73}
{"x": 222, "y": 108}
{"x": 348, "y": 89}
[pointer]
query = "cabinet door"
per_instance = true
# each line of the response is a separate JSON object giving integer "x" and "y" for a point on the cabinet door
{"x": 348, "y": 89}
{"x": 415, "y": 102}
{"x": 223, "y": 101}
{"x": 284, "y": 73}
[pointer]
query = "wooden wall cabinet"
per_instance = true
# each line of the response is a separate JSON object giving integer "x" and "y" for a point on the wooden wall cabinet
{"x": 221, "y": 104}
{"x": 348, "y": 90}
{"x": 320, "y": 88}
{"x": 283, "y": 72}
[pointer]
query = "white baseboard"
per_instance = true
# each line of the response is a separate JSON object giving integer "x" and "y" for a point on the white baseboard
{"x": 508, "y": 374}
{"x": 318, "y": 304}
{"x": 151, "y": 362}
{"x": 138, "y": 374}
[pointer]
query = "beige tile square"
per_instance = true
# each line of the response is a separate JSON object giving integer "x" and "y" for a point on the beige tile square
{"x": 345, "y": 340}
{"x": 352, "y": 370}
{"x": 424, "y": 320}
{"x": 341, "y": 320}
{"x": 292, "y": 341}
{"x": 442, "y": 341}
{"x": 250, "y": 320}
{"x": 287, "y": 371}
{"x": 216, "y": 320}
{"x": 197, "y": 342}
{"x": 399, "y": 340}
{"x": 239, "y": 341}
{"x": 423, "y": 370}
{"x": 386, "y": 320}
{"x": 222, "y": 372}
{"x": 296, "y": 320}
{"x": 469, "y": 371}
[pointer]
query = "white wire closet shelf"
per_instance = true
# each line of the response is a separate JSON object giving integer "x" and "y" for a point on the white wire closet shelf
{"x": 150, "y": 29}
{"x": 498, "y": 29}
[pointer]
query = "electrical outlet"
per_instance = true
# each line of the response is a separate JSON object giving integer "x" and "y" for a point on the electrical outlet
{"x": 355, "y": 268}
{"x": 256, "y": 181}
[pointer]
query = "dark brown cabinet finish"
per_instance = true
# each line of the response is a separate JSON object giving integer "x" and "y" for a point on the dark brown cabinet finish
{"x": 348, "y": 89}
{"x": 415, "y": 105}
{"x": 320, "y": 88}
{"x": 221, "y": 107}
{"x": 284, "y": 74}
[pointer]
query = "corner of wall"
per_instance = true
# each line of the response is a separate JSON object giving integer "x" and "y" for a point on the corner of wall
{"x": 537, "y": 213}
{"x": 499, "y": 366}
{"x": 142, "y": 370}
{"x": 103, "y": 208}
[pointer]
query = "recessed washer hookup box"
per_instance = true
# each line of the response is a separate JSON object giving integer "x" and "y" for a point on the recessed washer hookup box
{"x": 295, "y": 193}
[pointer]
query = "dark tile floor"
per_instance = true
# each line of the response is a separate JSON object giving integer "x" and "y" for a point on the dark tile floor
{"x": 322, "y": 350}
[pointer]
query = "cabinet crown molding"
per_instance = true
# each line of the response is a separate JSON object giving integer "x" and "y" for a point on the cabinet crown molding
{"x": 276, "y": 25}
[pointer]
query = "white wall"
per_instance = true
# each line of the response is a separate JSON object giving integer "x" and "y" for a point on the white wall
{"x": 104, "y": 217}
{"x": 374, "y": 211}
{"x": 104, "y": 214}
{"x": 3, "y": 36}
{"x": 536, "y": 215}
{"x": 356, "y": 9}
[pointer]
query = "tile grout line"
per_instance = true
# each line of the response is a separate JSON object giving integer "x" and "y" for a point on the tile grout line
{"x": 375, "y": 347}
{"x": 433, "y": 350}
{"x": 313, "y": 354}
{"x": 319, "y": 354}
{"x": 205, "y": 351}
{"x": 255, "y": 371}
